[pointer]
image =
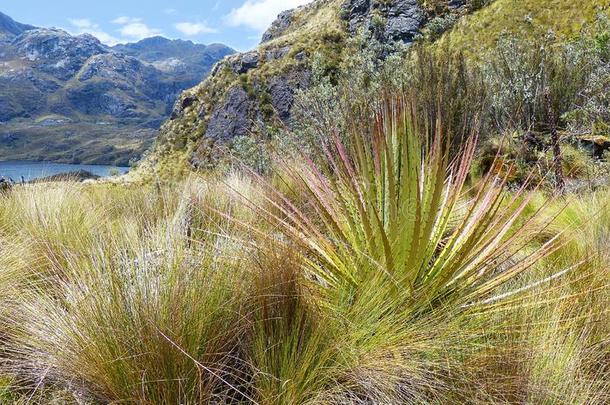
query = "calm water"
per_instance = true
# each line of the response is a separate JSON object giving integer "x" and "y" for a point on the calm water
{"x": 35, "y": 170}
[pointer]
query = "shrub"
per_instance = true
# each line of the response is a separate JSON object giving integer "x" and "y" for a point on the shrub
{"x": 440, "y": 24}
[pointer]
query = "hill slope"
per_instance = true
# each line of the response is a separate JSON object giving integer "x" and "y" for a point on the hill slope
{"x": 10, "y": 28}
{"x": 565, "y": 18}
{"x": 72, "y": 99}
{"x": 250, "y": 92}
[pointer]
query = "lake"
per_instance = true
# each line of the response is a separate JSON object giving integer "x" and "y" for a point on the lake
{"x": 35, "y": 170}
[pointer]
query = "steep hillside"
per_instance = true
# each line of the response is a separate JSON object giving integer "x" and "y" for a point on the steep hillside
{"x": 479, "y": 31}
{"x": 250, "y": 93}
{"x": 73, "y": 99}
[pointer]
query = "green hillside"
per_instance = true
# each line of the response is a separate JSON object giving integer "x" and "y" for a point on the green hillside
{"x": 566, "y": 18}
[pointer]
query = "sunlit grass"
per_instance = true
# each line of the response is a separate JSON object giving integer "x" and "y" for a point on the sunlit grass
{"x": 382, "y": 273}
{"x": 476, "y": 34}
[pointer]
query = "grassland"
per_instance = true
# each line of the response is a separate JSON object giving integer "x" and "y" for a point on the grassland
{"x": 332, "y": 282}
{"x": 74, "y": 142}
{"x": 478, "y": 32}
{"x": 379, "y": 260}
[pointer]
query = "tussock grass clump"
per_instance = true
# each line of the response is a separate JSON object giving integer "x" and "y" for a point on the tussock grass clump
{"x": 137, "y": 314}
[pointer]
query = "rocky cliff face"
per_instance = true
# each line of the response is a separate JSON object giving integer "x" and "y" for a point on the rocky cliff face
{"x": 249, "y": 92}
{"x": 391, "y": 21}
{"x": 61, "y": 94}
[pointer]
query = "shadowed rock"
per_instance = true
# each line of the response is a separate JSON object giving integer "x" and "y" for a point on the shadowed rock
{"x": 231, "y": 118}
{"x": 282, "y": 90}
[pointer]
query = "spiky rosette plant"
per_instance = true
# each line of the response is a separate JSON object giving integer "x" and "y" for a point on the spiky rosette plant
{"x": 399, "y": 246}
{"x": 387, "y": 203}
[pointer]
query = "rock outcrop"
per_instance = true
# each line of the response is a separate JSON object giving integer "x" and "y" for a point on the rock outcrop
{"x": 282, "y": 90}
{"x": 231, "y": 118}
{"x": 279, "y": 26}
{"x": 390, "y": 20}
{"x": 244, "y": 62}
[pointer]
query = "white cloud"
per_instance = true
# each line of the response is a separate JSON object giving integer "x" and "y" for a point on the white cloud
{"x": 170, "y": 11}
{"x": 138, "y": 30}
{"x": 81, "y": 23}
{"x": 191, "y": 29}
{"x": 259, "y": 14}
{"x": 123, "y": 20}
{"x": 86, "y": 26}
{"x": 134, "y": 28}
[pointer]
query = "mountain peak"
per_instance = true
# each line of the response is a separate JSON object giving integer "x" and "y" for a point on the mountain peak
{"x": 156, "y": 40}
{"x": 10, "y": 28}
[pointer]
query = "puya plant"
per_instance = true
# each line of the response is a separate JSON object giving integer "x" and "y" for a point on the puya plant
{"x": 398, "y": 244}
{"x": 387, "y": 203}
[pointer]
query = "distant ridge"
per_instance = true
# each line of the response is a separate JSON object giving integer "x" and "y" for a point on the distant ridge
{"x": 73, "y": 99}
{"x": 10, "y": 28}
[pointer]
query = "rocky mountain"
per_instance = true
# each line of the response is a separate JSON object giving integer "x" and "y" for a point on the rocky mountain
{"x": 251, "y": 91}
{"x": 186, "y": 62}
{"x": 73, "y": 99}
{"x": 175, "y": 55}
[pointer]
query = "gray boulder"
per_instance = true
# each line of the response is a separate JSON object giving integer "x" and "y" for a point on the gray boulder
{"x": 243, "y": 62}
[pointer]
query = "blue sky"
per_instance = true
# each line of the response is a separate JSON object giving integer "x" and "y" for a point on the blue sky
{"x": 237, "y": 23}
